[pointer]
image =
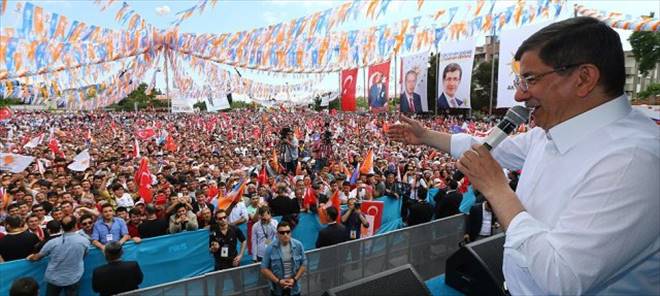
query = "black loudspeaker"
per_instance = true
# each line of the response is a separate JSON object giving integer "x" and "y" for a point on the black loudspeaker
{"x": 402, "y": 280}
{"x": 229, "y": 98}
{"x": 476, "y": 268}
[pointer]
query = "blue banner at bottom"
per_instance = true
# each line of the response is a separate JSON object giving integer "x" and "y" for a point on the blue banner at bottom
{"x": 162, "y": 259}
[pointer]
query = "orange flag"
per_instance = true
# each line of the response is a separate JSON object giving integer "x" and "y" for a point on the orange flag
{"x": 367, "y": 166}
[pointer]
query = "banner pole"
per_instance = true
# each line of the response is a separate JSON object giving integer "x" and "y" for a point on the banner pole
{"x": 364, "y": 79}
{"x": 395, "y": 80}
{"x": 492, "y": 66}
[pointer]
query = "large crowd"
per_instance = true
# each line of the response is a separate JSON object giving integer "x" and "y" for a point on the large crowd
{"x": 281, "y": 157}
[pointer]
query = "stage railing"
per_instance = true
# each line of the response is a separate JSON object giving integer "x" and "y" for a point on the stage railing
{"x": 425, "y": 246}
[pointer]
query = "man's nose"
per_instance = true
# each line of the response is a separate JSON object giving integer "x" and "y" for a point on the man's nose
{"x": 521, "y": 96}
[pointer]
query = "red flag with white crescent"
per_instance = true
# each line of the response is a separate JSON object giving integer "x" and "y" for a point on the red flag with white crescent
{"x": 348, "y": 84}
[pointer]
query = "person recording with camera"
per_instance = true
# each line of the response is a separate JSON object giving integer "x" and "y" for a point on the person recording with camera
{"x": 353, "y": 218}
{"x": 288, "y": 149}
{"x": 323, "y": 150}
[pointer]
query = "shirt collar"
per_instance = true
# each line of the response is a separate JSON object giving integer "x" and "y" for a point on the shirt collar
{"x": 568, "y": 133}
{"x": 448, "y": 97}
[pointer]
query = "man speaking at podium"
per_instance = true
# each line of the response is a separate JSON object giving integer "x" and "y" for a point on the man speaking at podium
{"x": 584, "y": 217}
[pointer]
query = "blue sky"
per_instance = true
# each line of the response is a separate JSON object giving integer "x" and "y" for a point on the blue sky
{"x": 235, "y": 15}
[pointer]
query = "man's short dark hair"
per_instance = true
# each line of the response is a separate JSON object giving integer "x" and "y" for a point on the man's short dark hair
{"x": 113, "y": 250}
{"x": 121, "y": 209}
{"x": 25, "y": 286}
{"x": 14, "y": 222}
{"x": 86, "y": 216}
{"x": 12, "y": 206}
{"x": 451, "y": 68}
{"x": 581, "y": 40}
{"x": 53, "y": 226}
{"x": 283, "y": 224}
{"x": 150, "y": 209}
{"x": 69, "y": 223}
{"x": 332, "y": 213}
{"x": 263, "y": 210}
{"x": 105, "y": 206}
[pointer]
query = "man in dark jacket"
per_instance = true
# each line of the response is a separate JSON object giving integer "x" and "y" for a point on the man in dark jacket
{"x": 448, "y": 204}
{"x": 419, "y": 211}
{"x": 334, "y": 233}
{"x": 117, "y": 276}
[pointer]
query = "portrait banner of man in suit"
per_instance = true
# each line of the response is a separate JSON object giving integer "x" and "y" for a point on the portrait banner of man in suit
{"x": 455, "y": 67}
{"x": 412, "y": 98}
{"x": 379, "y": 86}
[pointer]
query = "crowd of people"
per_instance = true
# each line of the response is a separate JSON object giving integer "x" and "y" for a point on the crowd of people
{"x": 196, "y": 160}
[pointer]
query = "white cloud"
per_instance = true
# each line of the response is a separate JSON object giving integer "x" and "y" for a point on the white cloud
{"x": 163, "y": 10}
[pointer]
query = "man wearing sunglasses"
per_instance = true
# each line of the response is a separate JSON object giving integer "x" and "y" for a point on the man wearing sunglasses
{"x": 584, "y": 216}
{"x": 284, "y": 263}
{"x": 223, "y": 239}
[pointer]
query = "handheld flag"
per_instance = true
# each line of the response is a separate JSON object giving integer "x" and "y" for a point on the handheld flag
{"x": 368, "y": 164}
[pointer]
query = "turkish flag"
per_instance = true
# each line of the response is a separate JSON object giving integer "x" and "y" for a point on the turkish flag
{"x": 348, "y": 83}
{"x": 5, "y": 113}
{"x": 143, "y": 179}
{"x": 373, "y": 212}
{"x": 145, "y": 133}
{"x": 378, "y": 83}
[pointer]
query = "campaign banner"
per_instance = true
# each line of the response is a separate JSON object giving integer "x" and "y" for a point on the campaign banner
{"x": 412, "y": 98}
{"x": 216, "y": 104}
{"x": 510, "y": 40}
{"x": 373, "y": 212}
{"x": 348, "y": 84}
{"x": 182, "y": 105}
{"x": 378, "y": 86}
{"x": 454, "y": 74}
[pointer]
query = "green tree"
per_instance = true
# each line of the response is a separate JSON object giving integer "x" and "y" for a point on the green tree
{"x": 335, "y": 104}
{"x": 140, "y": 97}
{"x": 480, "y": 90}
{"x": 9, "y": 101}
{"x": 652, "y": 90}
{"x": 200, "y": 105}
{"x": 646, "y": 50}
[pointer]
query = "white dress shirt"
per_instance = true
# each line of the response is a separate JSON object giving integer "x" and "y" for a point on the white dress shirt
{"x": 591, "y": 192}
{"x": 239, "y": 211}
{"x": 262, "y": 236}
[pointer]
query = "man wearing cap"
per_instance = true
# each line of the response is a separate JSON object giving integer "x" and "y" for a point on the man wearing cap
{"x": 117, "y": 276}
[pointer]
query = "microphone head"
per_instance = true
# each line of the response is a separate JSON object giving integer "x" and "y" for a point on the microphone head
{"x": 517, "y": 114}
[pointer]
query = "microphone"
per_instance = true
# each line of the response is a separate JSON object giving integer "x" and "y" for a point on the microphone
{"x": 513, "y": 118}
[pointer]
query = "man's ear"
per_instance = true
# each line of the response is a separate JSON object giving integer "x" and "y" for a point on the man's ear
{"x": 588, "y": 77}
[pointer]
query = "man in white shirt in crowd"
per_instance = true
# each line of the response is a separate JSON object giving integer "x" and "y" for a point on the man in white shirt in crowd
{"x": 584, "y": 217}
{"x": 239, "y": 214}
{"x": 263, "y": 233}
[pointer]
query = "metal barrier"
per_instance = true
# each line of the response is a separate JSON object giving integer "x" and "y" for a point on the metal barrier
{"x": 426, "y": 247}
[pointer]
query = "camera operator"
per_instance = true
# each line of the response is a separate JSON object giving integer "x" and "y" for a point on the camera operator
{"x": 353, "y": 218}
{"x": 323, "y": 150}
{"x": 288, "y": 149}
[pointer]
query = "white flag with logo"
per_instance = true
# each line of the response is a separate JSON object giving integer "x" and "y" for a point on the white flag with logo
{"x": 80, "y": 162}
{"x": 14, "y": 163}
{"x": 34, "y": 142}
